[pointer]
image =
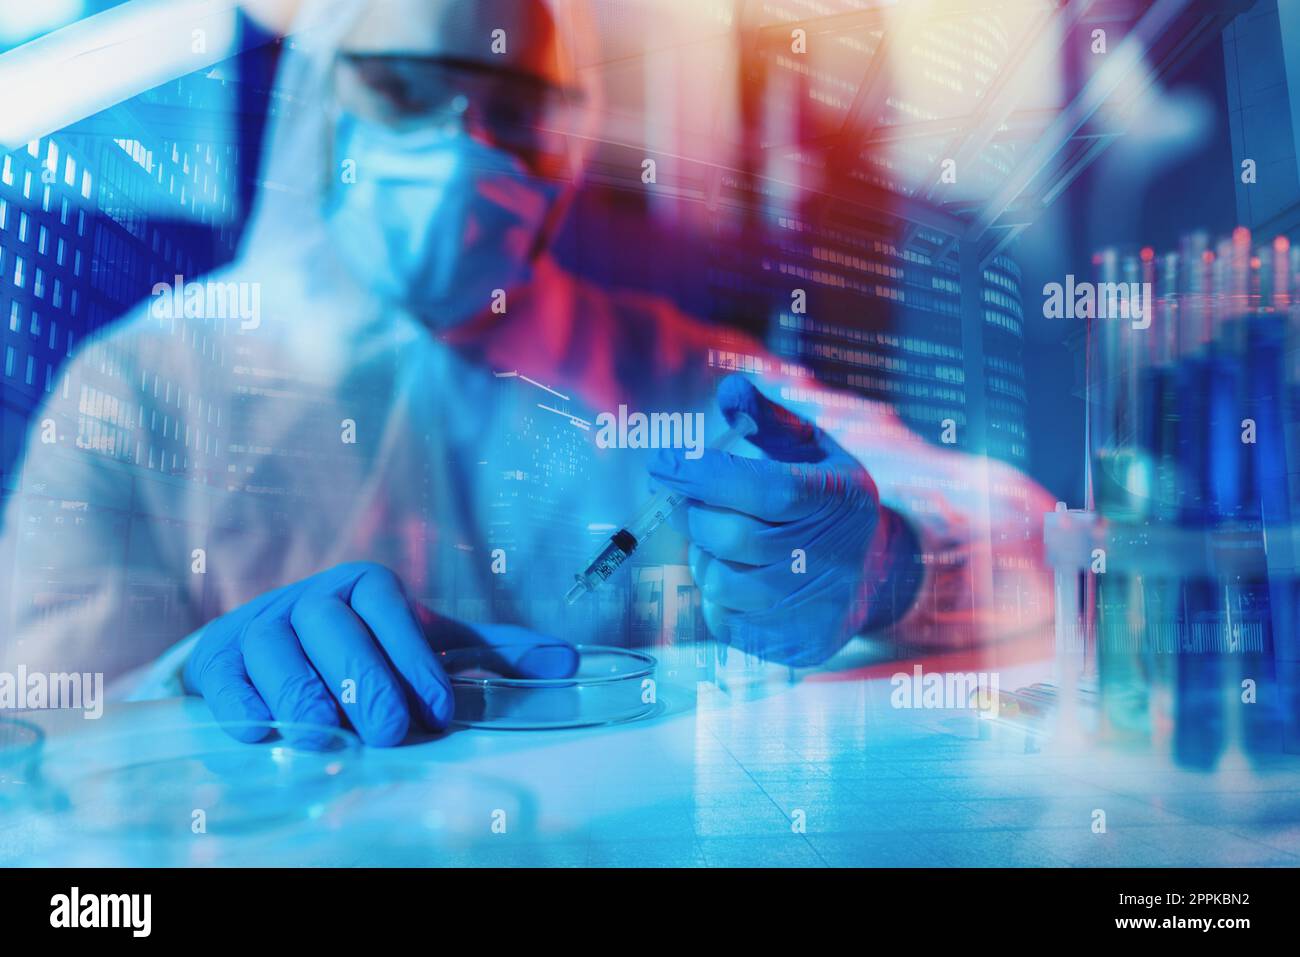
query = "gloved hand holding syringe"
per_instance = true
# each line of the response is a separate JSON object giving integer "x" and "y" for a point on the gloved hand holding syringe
{"x": 619, "y": 546}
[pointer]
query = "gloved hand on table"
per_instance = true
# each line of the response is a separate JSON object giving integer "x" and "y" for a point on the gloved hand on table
{"x": 792, "y": 553}
{"x": 294, "y": 653}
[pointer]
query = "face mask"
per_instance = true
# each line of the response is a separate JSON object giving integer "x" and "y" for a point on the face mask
{"x": 435, "y": 220}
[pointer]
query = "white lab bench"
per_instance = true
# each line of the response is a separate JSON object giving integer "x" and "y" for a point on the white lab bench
{"x": 820, "y": 772}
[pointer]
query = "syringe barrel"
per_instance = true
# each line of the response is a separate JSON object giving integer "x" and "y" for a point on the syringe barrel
{"x": 607, "y": 561}
{"x": 656, "y": 511}
{"x": 654, "y": 514}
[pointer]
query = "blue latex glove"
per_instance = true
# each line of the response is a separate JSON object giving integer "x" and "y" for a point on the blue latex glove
{"x": 288, "y": 655}
{"x": 752, "y": 522}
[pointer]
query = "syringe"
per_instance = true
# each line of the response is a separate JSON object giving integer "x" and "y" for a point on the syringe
{"x": 619, "y": 546}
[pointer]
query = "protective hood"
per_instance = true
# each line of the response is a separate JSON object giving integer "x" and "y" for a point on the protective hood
{"x": 287, "y": 228}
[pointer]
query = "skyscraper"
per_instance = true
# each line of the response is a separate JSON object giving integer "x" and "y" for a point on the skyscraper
{"x": 881, "y": 310}
{"x": 89, "y": 225}
{"x": 1261, "y": 50}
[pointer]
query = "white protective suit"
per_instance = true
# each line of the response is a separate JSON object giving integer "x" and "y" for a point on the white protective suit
{"x": 199, "y": 463}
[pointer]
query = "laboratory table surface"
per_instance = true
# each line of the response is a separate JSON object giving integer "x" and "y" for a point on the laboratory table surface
{"x": 762, "y": 770}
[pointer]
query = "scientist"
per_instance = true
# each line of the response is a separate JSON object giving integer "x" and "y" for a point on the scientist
{"x": 292, "y": 517}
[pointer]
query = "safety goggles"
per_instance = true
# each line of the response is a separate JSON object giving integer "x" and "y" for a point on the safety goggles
{"x": 515, "y": 112}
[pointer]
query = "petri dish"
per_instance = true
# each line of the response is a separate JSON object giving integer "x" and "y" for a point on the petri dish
{"x": 610, "y": 685}
{"x": 175, "y": 782}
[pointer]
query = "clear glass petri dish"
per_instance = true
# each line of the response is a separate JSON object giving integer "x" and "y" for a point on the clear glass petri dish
{"x": 610, "y": 685}
{"x": 174, "y": 782}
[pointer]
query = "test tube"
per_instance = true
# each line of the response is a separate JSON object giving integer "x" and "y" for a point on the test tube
{"x": 1284, "y": 503}
{"x": 1122, "y": 487}
{"x": 1198, "y": 707}
{"x": 1270, "y": 611}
